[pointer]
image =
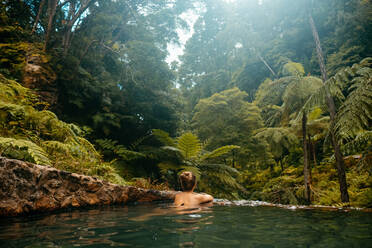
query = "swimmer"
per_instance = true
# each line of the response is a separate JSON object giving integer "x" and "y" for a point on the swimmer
{"x": 188, "y": 198}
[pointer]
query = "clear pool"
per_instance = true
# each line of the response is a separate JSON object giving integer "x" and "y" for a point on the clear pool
{"x": 160, "y": 226}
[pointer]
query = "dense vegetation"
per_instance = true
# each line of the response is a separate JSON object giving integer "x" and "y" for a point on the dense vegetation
{"x": 256, "y": 107}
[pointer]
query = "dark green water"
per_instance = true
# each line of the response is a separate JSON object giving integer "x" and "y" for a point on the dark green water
{"x": 219, "y": 226}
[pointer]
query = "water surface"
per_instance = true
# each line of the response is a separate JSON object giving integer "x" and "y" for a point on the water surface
{"x": 159, "y": 226}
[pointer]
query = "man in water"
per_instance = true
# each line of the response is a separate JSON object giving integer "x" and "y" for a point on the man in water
{"x": 185, "y": 202}
{"x": 187, "y": 198}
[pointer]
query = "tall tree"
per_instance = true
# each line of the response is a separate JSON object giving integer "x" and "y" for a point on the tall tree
{"x": 332, "y": 111}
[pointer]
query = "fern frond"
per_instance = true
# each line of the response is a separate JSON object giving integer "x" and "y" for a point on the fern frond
{"x": 163, "y": 137}
{"x": 128, "y": 155}
{"x": 24, "y": 149}
{"x": 168, "y": 166}
{"x": 361, "y": 142}
{"x": 355, "y": 114}
{"x": 53, "y": 146}
{"x": 189, "y": 145}
{"x": 319, "y": 98}
{"x": 107, "y": 144}
{"x": 219, "y": 152}
{"x": 134, "y": 145}
{"x": 221, "y": 173}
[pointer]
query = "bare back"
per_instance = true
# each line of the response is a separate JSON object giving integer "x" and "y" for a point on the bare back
{"x": 191, "y": 199}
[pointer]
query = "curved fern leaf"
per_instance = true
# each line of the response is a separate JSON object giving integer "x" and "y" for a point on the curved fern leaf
{"x": 24, "y": 149}
{"x": 219, "y": 152}
{"x": 163, "y": 137}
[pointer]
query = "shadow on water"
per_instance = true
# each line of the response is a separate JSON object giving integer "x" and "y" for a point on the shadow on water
{"x": 160, "y": 225}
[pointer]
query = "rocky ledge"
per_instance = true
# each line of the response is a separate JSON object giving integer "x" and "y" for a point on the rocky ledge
{"x": 28, "y": 188}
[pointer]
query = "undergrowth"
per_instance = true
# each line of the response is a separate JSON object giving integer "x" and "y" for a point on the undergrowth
{"x": 38, "y": 136}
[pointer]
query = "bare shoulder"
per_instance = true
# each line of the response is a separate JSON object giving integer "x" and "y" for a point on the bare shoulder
{"x": 204, "y": 198}
{"x": 178, "y": 199}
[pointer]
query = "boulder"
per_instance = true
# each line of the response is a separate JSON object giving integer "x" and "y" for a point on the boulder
{"x": 29, "y": 188}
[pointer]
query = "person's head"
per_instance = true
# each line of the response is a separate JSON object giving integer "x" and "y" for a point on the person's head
{"x": 188, "y": 181}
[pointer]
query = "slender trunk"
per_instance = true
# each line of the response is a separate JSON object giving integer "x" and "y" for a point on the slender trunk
{"x": 307, "y": 177}
{"x": 86, "y": 51}
{"x": 52, "y": 6}
{"x": 266, "y": 64}
{"x": 313, "y": 151}
{"x": 281, "y": 165}
{"x": 73, "y": 15}
{"x": 332, "y": 111}
{"x": 233, "y": 160}
{"x": 38, "y": 16}
{"x": 67, "y": 39}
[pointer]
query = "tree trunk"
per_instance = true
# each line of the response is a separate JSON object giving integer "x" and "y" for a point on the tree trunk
{"x": 281, "y": 165}
{"x": 72, "y": 17}
{"x": 313, "y": 151}
{"x": 307, "y": 173}
{"x": 38, "y": 16}
{"x": 52, "y": 6}
{"x": 67, "y": 39}
{"x": 266, "y": 64}
{"x": 332, "y": 111}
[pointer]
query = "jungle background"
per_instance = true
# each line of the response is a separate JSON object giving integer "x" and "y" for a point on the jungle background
{"x": 88, "y": 86}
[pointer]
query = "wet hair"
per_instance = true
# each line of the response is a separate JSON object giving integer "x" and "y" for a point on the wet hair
{"x": 188, "y": 180}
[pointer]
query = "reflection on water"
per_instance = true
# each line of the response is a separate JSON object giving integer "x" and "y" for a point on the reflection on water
{"x": 163, "y": 226}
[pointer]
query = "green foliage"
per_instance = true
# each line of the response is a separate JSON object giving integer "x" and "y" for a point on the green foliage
{"x": 293, "y": 69}
{"x": 112, "y": 77}
{"x": 280, "y": 140}
{"x": 40, "y": 137}
{"x": 189, "y": 145}
{"x": 24, "y": 150}
{"x": 163, "y": 137}
{"x": 216, "y": 178}
{"x": 119, "y": 150}
{"x": 297, "y": 93}
{"x": 355, "y": 113}
{"x": 219, "y": 152}
{"x": 226, "y": 118}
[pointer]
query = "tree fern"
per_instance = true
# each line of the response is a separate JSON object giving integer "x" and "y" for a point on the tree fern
{"x": 24, "y": 149}
{"x": 191, "y": 159}
{"x": 189, "y": 145}
{"x": 354, "y": 113}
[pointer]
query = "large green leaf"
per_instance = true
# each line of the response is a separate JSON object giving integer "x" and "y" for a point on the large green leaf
{"x": 189, "y": 145}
